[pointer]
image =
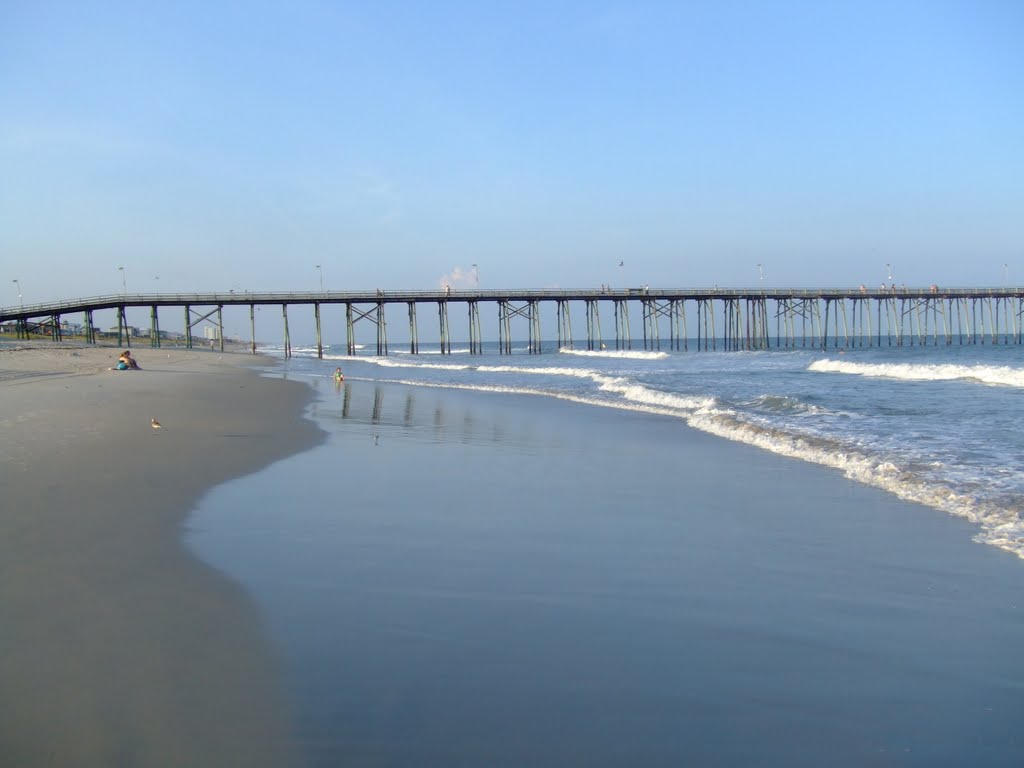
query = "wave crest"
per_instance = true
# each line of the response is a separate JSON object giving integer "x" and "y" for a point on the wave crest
{"x": 621, "y": 354}
{"x": 986, "y": 374}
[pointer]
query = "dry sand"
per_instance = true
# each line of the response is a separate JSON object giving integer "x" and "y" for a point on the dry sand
{"x": 117, "y": 646}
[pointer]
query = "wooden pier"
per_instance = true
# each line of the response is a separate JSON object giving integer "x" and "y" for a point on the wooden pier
{"x": 674, "y": 319}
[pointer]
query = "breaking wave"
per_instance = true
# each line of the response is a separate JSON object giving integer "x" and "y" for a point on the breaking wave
{"x": 619, "y": 354}
{"x": 986, "y": 374}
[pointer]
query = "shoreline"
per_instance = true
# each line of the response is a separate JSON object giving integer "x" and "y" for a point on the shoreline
{"x": 117, "y": 643}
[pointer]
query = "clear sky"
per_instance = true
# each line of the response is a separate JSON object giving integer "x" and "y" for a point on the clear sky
{"x": 237, "y": 145}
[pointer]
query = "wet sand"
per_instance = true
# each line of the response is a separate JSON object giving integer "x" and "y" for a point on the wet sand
{"x": 466, "y": 579}
{"x": 117, "y": 645}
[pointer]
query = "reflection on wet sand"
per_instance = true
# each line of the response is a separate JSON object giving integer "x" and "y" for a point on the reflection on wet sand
{"x": 381, "y": 405}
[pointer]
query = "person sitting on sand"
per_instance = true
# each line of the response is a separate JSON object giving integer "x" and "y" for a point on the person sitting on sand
{"x": 338, "y": 375}
{"x": 126, "y": 361}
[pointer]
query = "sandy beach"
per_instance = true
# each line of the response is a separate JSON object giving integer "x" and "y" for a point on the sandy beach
{"x": 118, "y": 646}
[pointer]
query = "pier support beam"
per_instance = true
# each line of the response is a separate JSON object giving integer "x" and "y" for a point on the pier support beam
{"x": 594, "y": 339}
{"x": 535, "y": 340}
{"x": 442, "y": 318}
{"x": 531, "y": 311}
{"x": 654, "y": 310}
{"x": 650, "y": 324}
{"x": 564, "y": 324}
{"x": 287, "y": 335}
{"x": 476, "y": 344}
{"x": 504, "y": 328}
{"x": 154, "y": 326}
{"x": 350, "y": 330}
{"x": 319, "y": 335}
{"x": 702, "y": 321}
{"x": 761, "y": 307}
{"x": 680, "y": 317}
{"x": 732, "y": 328}
{"x": 623, "y": 338}
{"x": 89, "y": 327}
{"x": 374, "y": 314}
{"x": 122, "y": 328}
{"x": 382, "y": 331}
{"x": 414, "y": 333}
{"x": 824, "y": 336}
{"x": 190, "y": 323}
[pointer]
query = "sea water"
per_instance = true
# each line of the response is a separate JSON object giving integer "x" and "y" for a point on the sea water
{"x": 476, "y": 569}
{"x": 940, "y": 425}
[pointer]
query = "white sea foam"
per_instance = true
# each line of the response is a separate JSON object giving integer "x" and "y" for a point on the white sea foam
{"x": 678, "y": 405}
{"x": 986, "y": 374}
{"x": 578, "y": 373}
{"x": 624, "y": 354}
{"x": 457, "y": 351}
{"x": 385, "y": 362}
{"x": 784, "y": 404}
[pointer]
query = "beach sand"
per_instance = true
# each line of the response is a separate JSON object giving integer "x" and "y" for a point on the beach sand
{"x": 117, "y": 645}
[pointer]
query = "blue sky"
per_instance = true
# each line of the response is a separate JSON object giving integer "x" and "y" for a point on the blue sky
{"x": 215, "y": 146}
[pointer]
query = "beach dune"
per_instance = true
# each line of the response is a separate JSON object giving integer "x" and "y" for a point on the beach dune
{"x": 117, "y": 646}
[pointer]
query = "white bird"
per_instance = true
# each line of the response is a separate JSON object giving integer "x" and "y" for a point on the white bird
{"x": 156, "y": 424}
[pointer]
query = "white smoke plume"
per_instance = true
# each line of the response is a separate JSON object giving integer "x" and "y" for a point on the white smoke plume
{"x": 460, "y": 277}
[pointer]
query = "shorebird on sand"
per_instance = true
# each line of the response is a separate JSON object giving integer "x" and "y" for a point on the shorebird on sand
{"x": 156, "y": 424}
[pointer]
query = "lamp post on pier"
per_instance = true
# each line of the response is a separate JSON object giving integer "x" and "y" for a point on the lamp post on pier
{"x": 320, "y": 269}
{"x": 21, "y": 302}
{"x": 124, "y": 282}
{"x": 476, "y": 276}
{"x": 1006, "y": 276}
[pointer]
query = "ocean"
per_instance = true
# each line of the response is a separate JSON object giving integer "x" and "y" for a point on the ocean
{"x": 625, "y": 557}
